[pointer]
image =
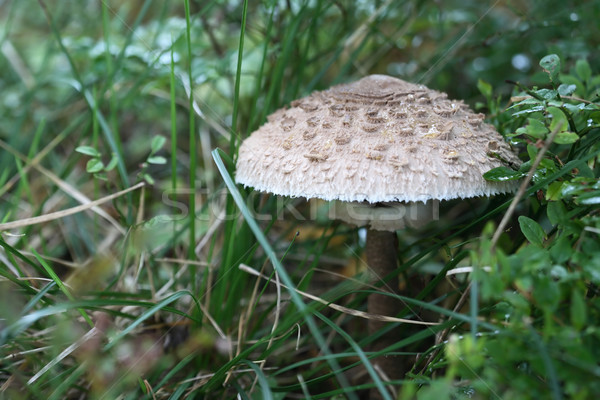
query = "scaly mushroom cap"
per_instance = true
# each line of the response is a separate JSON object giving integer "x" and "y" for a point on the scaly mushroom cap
{"x": 379, "y": 139}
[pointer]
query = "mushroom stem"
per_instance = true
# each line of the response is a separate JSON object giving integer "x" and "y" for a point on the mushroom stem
{"x": 382, "y": 258}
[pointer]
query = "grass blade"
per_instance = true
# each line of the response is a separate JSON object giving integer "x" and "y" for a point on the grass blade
{"x": 61, "y": 286}
{"x": 318, "y": 336}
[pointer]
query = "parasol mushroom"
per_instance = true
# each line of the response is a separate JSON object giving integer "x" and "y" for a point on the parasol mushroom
{"x": 384, "y": 150}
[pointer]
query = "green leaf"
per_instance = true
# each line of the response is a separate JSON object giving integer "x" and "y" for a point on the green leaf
{"x": 572, "y": 80}
{"x": 575, "y": 108}
{"x": 561, "y": 249}
{"x": 437, "y": 389}
{"x": 546, "y": 293}
{"x": 156, "y": 160}
{"x": 157, "y": 143}
{"x": 548, "y": 164}
{"x": 589, "y": 198}
{"x": 516, "y": 300}
{"x": 531, "y": 152}
{"x": 559, "y": 273}
{"x": 566, "y": 90}
{"x": 532, "y": 230}
{"x": 112, "y": 163}
{"x": 558, "y": 117}
{"x": 586, "y": 172}
{"x": 529, "y": 110}
{"x": 503, "y": 174}
{"x": 485, "y": 88}
{"x": 528, "y": 101}
{"x": 582, "y": 67}
{"x": 148, "y": 179}
{"x": 88, "y": 151}
{"x": 578, "y": 310}
{"x": 551, "y": 64}
{"x": 94, "y": 165}
{"x": 547, "y": 94}
{"x": 566, "y": 138}
{"x": 535, "y": 128}
{"x": 595, "y": 80}
{"x": 554, "y": 191}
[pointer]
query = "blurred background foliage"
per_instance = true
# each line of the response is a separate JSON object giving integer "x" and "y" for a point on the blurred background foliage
{"x": 98, "y": 74}
{"x": 447, "y": 46}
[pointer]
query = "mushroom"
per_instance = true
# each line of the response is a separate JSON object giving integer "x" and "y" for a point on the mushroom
{"x": 384, "y": 150}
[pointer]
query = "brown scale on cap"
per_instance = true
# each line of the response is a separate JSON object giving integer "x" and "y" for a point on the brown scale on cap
{"x": 368, "y": 127}
{"x": 308, "y": 135}
{"x": 370, "y": 140}
{"x": 313, "y": 121}
{"x": 347, "y": 120}
{"x": 287, "y": 124}
{"x": 342, "y": 139}
{"x": 337, "y": 110}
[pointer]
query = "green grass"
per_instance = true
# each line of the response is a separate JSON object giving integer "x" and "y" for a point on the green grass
{"x": 144, "y": 297}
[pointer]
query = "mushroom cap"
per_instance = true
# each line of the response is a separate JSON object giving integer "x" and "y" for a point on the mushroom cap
{"x": 379, "y": 139}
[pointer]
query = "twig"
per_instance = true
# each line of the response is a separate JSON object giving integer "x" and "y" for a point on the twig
{"x": 64, "y": 213}
{"x": 339, "y": 308}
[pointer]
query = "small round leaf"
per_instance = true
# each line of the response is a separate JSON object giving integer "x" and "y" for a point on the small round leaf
{"x": 157, "y": 160}
{"x": 532, "y": 230}
{"x": 157, "y": 143}
{"x": 94, "y": 165}
{"x": 88, "y": 151}
{"x": 503, "y": 174}
{"x": 551, "y": 64}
